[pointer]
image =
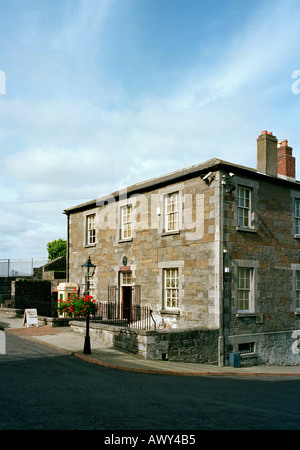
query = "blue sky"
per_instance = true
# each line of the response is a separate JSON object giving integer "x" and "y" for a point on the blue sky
{"x": 100, "y": 94}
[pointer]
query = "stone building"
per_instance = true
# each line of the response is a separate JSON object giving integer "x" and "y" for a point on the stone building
{"x": 213, "y": 249}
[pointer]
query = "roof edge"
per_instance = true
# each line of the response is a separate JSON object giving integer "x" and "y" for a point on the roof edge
{"x": 182, "y": 174}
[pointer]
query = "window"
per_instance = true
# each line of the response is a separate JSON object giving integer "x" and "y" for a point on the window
{"x": 298, "y": 290}
{"x": 244, "y": 207}
{"x": 91, "y": 231}
{"x": 172, "y": 212}
{"x": 297, "y": 216}
{"x": 244, "y": 293}
{"x": 92, "y": 286}
{"x": 247, "y": 347}
{"x": 126, "y": 222}
{"x": 126, "y": 278}
{"x": 171, "y": 288}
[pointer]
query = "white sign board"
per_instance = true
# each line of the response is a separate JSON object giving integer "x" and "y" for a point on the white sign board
{"x": 30, "y": 317}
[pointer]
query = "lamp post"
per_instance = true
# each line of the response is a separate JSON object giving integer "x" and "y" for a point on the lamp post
{"x": 88, "y": 270}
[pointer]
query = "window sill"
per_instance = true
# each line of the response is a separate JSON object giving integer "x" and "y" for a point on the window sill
{"x": 121, "y": 241}
{"x": 297, "y": 313}
{"x": 90, "y": 245}
{"x": 248, "y": 355}
{"x": 245, "y": 314}
{"x": 297, "y": 236}
{"x": 174, "y": 312}
{"x": 248, "y": 230}
{"x": 170, "y": 233}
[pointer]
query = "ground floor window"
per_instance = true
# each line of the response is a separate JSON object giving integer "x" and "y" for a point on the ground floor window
{"x": 245, "y": 286}
{"x": 92, "y": 286}
{"x": 171, "y": 288}
{"x": 247, "y": 347}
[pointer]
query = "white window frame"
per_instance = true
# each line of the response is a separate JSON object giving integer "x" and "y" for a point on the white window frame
{"x": 126, "y": 278}
{"x": 244, "y": 207}
{"x": 90, "y": 229}
{"x": 126, "y": 221}
{"x": 172, "y": 212}
{"x": 92, "y": 286}
{"x": 245, "y": 289}
{"x": 171, "y": 288}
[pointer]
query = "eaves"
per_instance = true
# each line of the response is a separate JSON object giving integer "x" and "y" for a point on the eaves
{"x": 211, "y": 165}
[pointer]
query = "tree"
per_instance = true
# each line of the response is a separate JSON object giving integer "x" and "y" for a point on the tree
{"x": 57, "y": 248}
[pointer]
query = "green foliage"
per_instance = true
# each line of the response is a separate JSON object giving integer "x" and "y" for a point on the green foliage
{"x": 57, "y": 248}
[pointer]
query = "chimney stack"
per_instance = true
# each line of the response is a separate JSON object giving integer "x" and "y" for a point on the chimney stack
{"x": 267, "y": 153}
{"x": 286, "y": 161}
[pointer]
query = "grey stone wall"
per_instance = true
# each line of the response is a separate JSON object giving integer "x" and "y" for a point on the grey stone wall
{"x": 278, "y": 348}
{"x": 271, "y": 249}
{"x": 193, "y": 345}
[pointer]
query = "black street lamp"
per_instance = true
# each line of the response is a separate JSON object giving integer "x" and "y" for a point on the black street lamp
{"x": 88, "y": 270}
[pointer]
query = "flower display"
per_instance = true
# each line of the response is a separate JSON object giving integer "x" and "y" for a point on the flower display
{"x": 77, "y": 306}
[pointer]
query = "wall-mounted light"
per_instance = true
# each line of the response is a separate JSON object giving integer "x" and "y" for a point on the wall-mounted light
{"x": 208, "y": 177}
{"x": 227, "y": 183}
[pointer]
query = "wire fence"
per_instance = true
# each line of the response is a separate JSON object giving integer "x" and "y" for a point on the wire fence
{"x": 20, "y": 267}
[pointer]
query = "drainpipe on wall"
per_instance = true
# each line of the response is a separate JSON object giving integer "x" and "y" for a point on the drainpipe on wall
{"x": 221, "y": 271}
{"x": 227, "y": 188}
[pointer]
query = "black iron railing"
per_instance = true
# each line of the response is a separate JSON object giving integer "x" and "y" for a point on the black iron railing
{"x": 135, "y": 316}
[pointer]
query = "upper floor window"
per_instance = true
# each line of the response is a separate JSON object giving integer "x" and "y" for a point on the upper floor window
{"x": 172, "y": 212}
{"x": 91, "y": 230}
{"x": 244, "y": 207}
{"x": 126, "y": 222}
{"x": 245, "y": 289}
{"x": 297, "y": 216}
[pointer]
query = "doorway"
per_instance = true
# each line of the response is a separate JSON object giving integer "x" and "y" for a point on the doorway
{"x": 126, "y": 302}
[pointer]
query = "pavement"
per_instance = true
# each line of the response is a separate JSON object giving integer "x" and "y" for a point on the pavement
{"x": 103, "y": 354}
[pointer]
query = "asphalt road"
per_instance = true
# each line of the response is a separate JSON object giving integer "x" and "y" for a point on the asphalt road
{"x": 44, "y": 389}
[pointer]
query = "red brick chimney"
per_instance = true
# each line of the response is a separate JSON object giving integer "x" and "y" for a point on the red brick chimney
{"x": 286, "y": 166}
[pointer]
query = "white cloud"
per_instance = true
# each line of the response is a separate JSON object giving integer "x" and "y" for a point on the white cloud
{"x": 69, "y": 146}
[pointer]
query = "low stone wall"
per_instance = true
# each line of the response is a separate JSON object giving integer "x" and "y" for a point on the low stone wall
{"x": 194, "y": 345}
{"x": 12, "y": 312}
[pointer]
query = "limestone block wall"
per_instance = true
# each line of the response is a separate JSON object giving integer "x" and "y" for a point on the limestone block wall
{"x": 194, "y": 250}
{"x": 194, "y": 345}
{"x": 271, "y": 249}
{"x": 278, "y": 348}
